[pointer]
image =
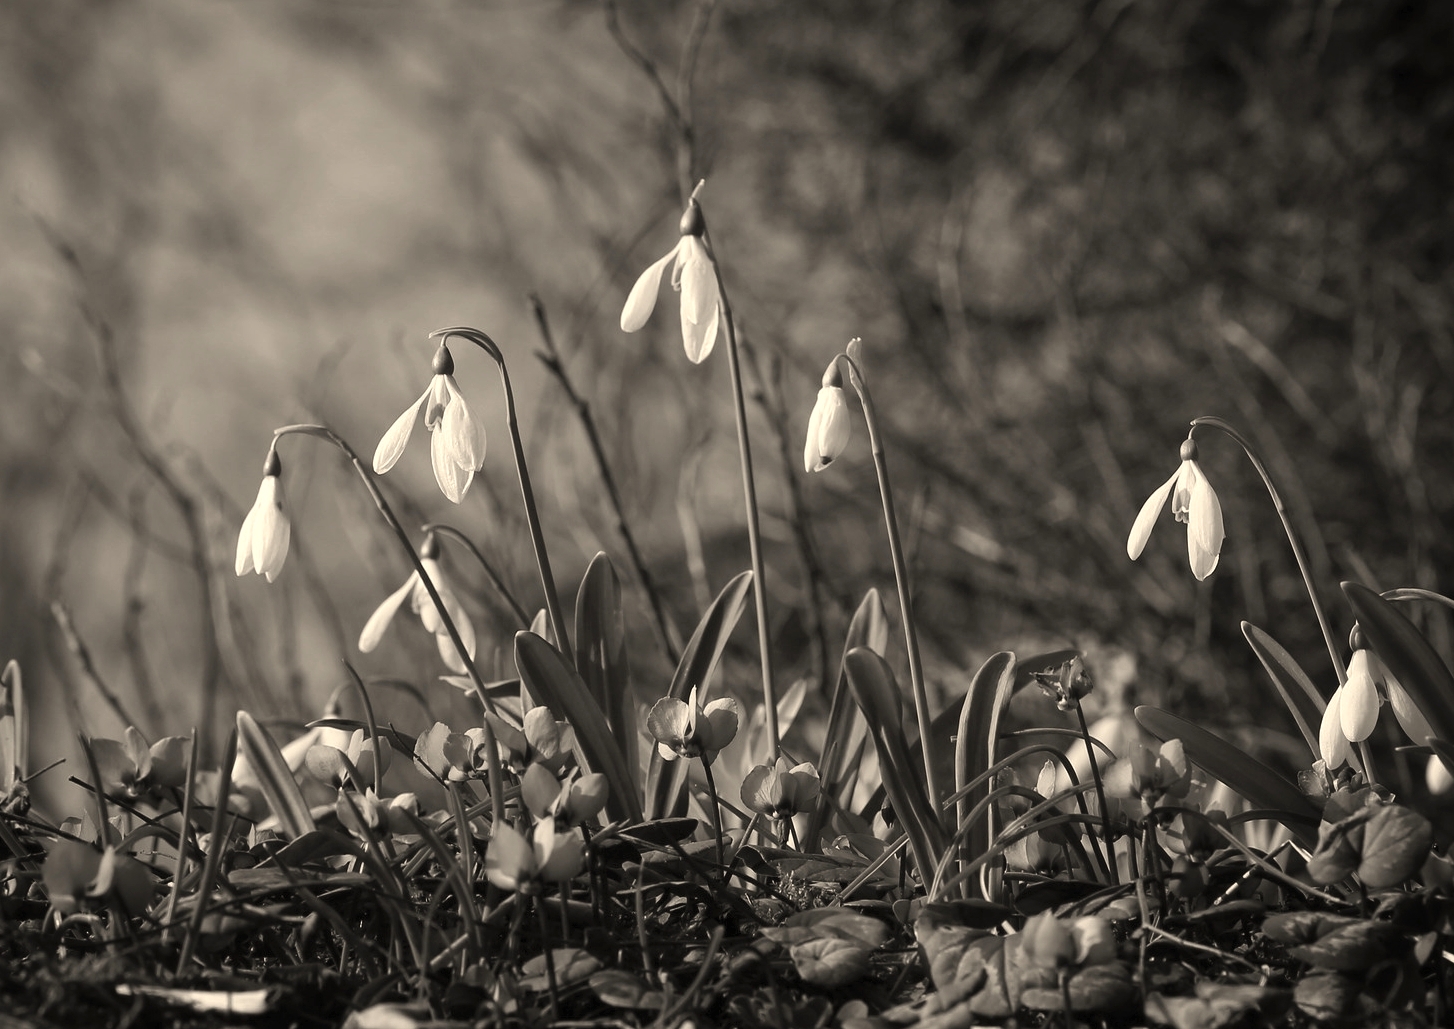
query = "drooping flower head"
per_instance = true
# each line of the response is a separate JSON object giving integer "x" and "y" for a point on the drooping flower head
{"x": 262, "y": 544}
{"x": 422, "y": 604}
{"x": 1192, "y": 501}
{"x": 1352, "y": 712}
{"x": 689, "y": 730}
{"x": 829, "y": 425}
{"x": 694, "y": 276}
{"x": 457, "y": 440}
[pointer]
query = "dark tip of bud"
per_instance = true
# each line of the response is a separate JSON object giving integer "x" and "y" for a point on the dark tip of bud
{"x": 1189, "y": 450}
{"x": 271, "y": 464}
{"x": 692, "y": 223}
{"x": 429, "y": 549}
{"x": 443, "y": 361}
{"x": 833, "y": 377}
{"x": 1355, "y": 638}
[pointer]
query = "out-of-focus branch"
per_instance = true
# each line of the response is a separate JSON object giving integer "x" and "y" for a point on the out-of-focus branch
{"x": 666, "y": 632}
{"x": 82, "y": 653}
{"x": 133, "y": 607}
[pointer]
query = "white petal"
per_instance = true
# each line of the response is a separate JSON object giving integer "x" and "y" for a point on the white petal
{"x": 1437, "y": 777}
{"x": 373, "y": 629}
{"x": 244, "y": 542}
{"x": 1415, "y": 726}
{"x": 1206, "y": 516}
{"x": 642, "y": 299}
{"x": 811, "y": 448}
{"x": 1141, "y": 528}
{"x": 386, "y": 454}
{"x": 446, "y": 472}
{"x": 1331, "y": 741}
{"x": 465, "y": 435}
{"x": 271, "y": 531}
{"x": 699, "y": 337}
{"x": 1360, "y": 699}
{"x": 829, "y": 429}
{"x": 698, "y": 282}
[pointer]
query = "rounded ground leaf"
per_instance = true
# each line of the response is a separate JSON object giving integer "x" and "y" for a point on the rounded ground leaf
{"x": 623, "y": 990}
{"x": 830, "y": 961}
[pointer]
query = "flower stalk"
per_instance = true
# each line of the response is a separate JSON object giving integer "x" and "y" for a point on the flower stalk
{"x": 496, "y": 781}
{"x": 901, "y": 571}
{"x": 532, "y": 513}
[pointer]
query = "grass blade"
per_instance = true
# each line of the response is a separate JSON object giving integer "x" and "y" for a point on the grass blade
{"x": 699, "y": 660}
{"x": 1258, "y": 784}
{"x": 873, "y": 685}
{"x": 1297, "y": 691}
{"x": 275, "y": 779}
{"x": 1413, "y": 662}
{"x": 846, "y": 730}
{"x": 974, "y": 750}
{"x": 551, "y": 678}
{"x": 601, "y": 653}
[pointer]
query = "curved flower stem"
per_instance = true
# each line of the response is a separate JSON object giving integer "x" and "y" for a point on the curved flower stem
{"x": 1090, "y": 753}
{"x": 749, "y": 489}
{"x": 450, "y": 532}
{"x": 716, "y": 813}
{"x": 1292, "y": 536}
{"x": 492, "y": 752}
{"x": 901, "y": 572}
{"x": 532, "y": 513}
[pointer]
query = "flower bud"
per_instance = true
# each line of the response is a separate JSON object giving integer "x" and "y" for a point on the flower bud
{"x": 1188, "y": 449}
{"x": 443, "y": 361}
{"x": 692, "y": 223}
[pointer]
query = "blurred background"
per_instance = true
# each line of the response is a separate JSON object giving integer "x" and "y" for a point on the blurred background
{"x": 1062, "y": 228}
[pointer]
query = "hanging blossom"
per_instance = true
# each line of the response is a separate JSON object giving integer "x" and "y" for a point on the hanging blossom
{"x": 1352, "y": 712}
{"x": 1192, "y": 501}
{"x": 694, "y": 276}
{"x": 422, "y": 604}
{"x": 262, "y": 545}
{"x": 829, "y": 426}
{"x": 457, "y": 440}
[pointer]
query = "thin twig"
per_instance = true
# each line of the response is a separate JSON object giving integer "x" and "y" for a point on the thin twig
{"x": 82, "y": 653}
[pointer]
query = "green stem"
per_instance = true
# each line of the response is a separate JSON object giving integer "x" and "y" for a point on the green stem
{"x": 1101, "y": 795}
{"x": 716, "y": 812}
{"x": 901, "y": 573}
{"x": 492, "y": 754}
{"x": 749, "y": 489}
{"x": 549, "y": 960}
{"x": 450, "y": 532}
{"x": 1292, "y": 536}
{"x": 532, "y": 513}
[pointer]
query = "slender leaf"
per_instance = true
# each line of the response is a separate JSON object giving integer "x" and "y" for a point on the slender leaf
{"x": 974, "y": 750}
{"x": 601, "y": 656}
{"x": 1413, "y": 662}
{"x": 14, "y": 731}
{"x": 1297, "y": 691}
{"x": 846, "y": 729}
{"x": 664, "y": 782}
{"x": 1257, "y": 783}
{"x": 873, "y": 685}
{"x": 275, "y": 778}
{"x": 551, "y": 678}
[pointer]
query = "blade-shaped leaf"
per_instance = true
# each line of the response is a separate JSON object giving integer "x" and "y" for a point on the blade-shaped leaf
{"x": 551, "y": 679}
{"x": 1298, "y": 693}
{"x": 13, "y": 729}
{"x": 846, "y": 730}
{"x": 873, "y": 685}
{"x": 974, "y": 750}
{"x": 1258, "y": 784}
{"x": 601, "y": 653}
{"x": 1413, "y": 662}
{"x": 275, "y": 779}
{"x": 699, "y": 660}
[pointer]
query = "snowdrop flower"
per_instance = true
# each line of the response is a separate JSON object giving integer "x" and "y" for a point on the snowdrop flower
{"x": 828, "y": 426}
{"x": 1192, "y": 501}
{"x": 1352, "y": 712}
{"x": 417, "y": 594}
{"x": 262, "y": 545}
{"x": 457, "y": 440}
{"x": 689, "y": 730}
{"x": 695, "y": 277}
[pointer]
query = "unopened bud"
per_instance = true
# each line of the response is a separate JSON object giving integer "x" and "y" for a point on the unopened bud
{"x": 443, "y": 361}
{"x": 1189, "y": 449}
{"x": 271, "y": 465}
{"x": 832, "y": 377}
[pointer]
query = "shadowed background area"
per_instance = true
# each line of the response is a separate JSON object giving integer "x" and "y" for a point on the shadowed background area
{"x": 1063, "y": 229}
